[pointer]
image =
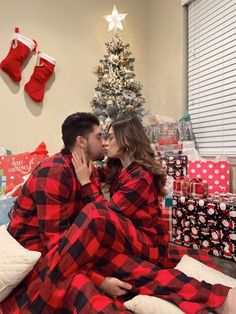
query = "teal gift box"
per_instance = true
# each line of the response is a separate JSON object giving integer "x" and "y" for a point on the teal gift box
{"x": 3, "y": 184}
{"x": 168, "y": 201}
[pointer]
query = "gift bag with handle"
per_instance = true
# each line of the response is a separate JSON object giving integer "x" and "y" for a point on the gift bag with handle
{"x": 14, "y": 167}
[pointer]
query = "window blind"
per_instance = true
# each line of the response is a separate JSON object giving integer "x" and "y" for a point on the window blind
{"x": 212, "y": 75}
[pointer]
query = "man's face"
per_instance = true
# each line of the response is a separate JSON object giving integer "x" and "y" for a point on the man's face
{"x": 94, "y": 149}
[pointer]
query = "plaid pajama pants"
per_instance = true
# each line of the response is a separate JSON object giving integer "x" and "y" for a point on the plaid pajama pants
{"x": 103, "y": 237}
{"x": 97, "y": 240}
{"x": 96, "y": 229}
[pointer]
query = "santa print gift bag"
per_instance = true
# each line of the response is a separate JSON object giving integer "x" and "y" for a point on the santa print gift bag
{"x": 215, "y": 173}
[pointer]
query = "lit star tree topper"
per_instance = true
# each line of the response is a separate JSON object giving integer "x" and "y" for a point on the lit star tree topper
{"x": 115, "y": 19}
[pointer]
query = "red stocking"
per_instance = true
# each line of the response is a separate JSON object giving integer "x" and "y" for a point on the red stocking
{"x": 43, "y": 70}
{"x": 20, "y": 49}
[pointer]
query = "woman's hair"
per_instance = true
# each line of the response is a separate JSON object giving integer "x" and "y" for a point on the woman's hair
{"x": 130, "y": 136}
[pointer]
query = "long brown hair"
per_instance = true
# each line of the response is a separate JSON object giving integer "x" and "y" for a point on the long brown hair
{"x": 130, "y": 136}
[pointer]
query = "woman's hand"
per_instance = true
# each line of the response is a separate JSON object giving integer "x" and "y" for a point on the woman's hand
{"x": 115, "y": 287}
{"x": 83, "y": 170}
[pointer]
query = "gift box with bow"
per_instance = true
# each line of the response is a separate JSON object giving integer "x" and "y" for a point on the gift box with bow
{"x": 180, "y": 186}
{"x": 197, "y": 188}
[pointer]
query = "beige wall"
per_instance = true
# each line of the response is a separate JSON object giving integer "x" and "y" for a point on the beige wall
{"x": 74, "y": 32}
{"x": 167, "y": 57}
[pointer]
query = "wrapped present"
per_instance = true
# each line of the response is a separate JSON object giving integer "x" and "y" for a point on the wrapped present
{"x": 215, "y": 173}
{"x": 3, "y": 183}
{"x": 167, "y": 214}
{"x": 204, "y": 224}
{"x": 229, "y": 198}
{"x": 4, "y": 151}
{"x": 193, "y": 188}
{"x": 184, "y": 131}
{"x": 197, "y": 188}
{"x": 188, "y": 144}
{"x": 184, "y": 128}
{"x": 168, "y": 201}
{"x": 5, "y": 208}
{"x": 15, "y": 167}
{"x": 168, "y": 141}
{"x": 180, "y": 186}
{"x": 168, "y": 145}
{"x": 167, "y": 220}
{"x": 174, "y": 166}
{"x": 169, "y": 186}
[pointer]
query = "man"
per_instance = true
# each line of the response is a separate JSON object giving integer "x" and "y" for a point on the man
{"x": 50, "y": 200}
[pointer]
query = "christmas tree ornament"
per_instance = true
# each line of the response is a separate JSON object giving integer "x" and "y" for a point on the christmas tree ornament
{"x": 20, "y": 49}
{"x": 125, "y": 57}
{"x": 99, "y": 70}
{"x": 129, "y": 108}
{"x": 109, "y": 103}
{"x": 43, "y": 70}
{"x": 108, "y": 121}
{"x": 115, "y": 19}
{"x": 95, "y": 96}
{"x": 115, "y": 59}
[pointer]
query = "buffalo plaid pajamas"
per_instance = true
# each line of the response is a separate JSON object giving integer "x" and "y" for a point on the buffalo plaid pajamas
{"x": 62, "y": 275}
{"x": 172, "y": 285}
{"x": 46, "y": 207}
{"x": 129, "y": 223}
{"x": 134, "y": 196}
{"x": 146, "y": 278}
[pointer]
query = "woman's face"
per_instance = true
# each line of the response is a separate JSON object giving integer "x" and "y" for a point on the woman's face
{"x": 112, "y": 145}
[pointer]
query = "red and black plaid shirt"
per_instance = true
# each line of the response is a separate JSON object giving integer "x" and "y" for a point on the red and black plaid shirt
{"x": 47, "y": 204}
{"x": 133, "y": 194}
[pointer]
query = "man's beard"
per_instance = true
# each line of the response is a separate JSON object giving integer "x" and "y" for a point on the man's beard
{"x": 91, "y": 156}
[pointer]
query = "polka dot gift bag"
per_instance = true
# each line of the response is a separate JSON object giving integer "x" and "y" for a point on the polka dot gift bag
{"x": 215, "y": 173}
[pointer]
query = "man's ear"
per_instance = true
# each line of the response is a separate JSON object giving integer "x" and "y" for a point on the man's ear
{"x": 81, "y": 142}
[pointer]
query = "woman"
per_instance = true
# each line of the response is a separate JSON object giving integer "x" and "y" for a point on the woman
{"x": 136, "y": 184}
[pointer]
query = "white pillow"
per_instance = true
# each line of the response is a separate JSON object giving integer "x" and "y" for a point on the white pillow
{"x": 143, "y": 304}
{"x": 195, "y": 269}
{"x": 15, "y": 262}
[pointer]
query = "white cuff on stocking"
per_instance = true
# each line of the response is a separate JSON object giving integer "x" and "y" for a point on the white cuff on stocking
{"x": 47, "y": 57}
{"x": 25, "y": 40}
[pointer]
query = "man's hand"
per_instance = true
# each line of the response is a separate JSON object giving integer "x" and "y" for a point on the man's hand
{"x": 82, "y": 169}
{"x": 115, "y": 287}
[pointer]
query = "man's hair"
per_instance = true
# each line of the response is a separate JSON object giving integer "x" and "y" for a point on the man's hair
{"x": 77, "y": 124}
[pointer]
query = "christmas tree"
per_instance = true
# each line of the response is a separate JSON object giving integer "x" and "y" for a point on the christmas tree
{"x": 117, "y": 91}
